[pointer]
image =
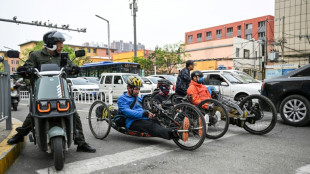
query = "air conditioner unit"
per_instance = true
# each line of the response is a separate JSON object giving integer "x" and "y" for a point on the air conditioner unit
{"x": 273, "y": 56}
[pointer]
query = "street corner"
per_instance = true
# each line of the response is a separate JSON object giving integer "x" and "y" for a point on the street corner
{"x": 9, "y": 153}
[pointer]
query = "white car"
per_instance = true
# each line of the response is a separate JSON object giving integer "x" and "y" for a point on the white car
{"x": 117, "y": 84}
{"x": 229, "y": 85}
{"x": 171, "y": 78}
{"x": 83, "y": 88}
{"x": 153, "y": 81}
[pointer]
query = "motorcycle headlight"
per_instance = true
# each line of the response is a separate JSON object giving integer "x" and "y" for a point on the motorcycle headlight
{"x": 44, "y": 106}
{"x": 63, "y": 105}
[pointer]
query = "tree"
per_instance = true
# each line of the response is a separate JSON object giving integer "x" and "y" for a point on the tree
{"x": 78, "y": 61}
{"x": 168, "y": 57}
{"x": 145, "y": 64}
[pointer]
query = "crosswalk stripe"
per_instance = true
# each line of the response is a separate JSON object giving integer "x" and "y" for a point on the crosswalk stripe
{"x": 303, "y": 170}
{"x": 113, "y": 160}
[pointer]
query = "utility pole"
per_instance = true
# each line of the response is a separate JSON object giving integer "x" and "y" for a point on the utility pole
{"x": 264, "y": 59}
{"x": 108, "y": 34}
{"x": 134, "y": 8}
{"x": 283, "y": 40}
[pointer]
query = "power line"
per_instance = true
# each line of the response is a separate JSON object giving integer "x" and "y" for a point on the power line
{"x": 44, "y": 24}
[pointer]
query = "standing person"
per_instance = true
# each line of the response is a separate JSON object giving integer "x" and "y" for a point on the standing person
{"x": 184, "y": 78}
{"x": 50, "y": 54}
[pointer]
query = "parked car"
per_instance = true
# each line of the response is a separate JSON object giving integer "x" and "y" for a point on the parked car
{"x": 171, "y": 78}
{"x": 94, "y": 80}
{"x": 229, "y": 85}
{"x": 291, "y": 95}
{"x": 82, "y": 88}
{"x": 118, "y": 83}
{"x": 153, "y": 81}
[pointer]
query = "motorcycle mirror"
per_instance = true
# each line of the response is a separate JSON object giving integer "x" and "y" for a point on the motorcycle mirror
{"x": 12, "y": 54}
{"x": 79, "y": 53}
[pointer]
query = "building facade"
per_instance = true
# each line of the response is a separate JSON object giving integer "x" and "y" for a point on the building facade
{"x": 121, "y": 46}
{"x": 292, "y": 33}
{"x": 225, "y": 46}
{"x": 13, "y": 62}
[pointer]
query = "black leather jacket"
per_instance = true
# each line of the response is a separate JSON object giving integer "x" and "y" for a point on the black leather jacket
{"x": 183, "y": 80}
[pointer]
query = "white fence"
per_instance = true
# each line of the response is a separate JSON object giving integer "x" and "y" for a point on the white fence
{"x": 86, "y": 97}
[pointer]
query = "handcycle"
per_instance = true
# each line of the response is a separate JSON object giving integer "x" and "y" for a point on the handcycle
{"x": 100, "y": 124}
{"x": 255, "y": 113}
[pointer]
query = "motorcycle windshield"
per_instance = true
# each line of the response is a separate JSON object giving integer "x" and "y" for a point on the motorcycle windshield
{"x": 51, "y": 88}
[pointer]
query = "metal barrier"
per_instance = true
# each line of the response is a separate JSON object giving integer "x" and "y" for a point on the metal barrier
{"x": 5, "y": 95}
{"x": 84, "y": 97}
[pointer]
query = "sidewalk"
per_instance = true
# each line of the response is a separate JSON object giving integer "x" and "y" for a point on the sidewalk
{"x": 8, "y": 153}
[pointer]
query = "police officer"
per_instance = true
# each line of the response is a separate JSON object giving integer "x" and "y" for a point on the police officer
{"x": 50, "y": 54}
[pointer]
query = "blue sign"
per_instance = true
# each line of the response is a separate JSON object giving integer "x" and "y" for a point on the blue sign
{"x": 271, "y": 73}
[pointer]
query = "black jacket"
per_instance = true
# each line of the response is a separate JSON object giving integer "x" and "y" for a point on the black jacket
{"x": 183, "y": 80}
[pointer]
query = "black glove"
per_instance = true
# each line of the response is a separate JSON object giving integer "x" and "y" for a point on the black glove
{"x": 22, "y": 69}
{"x": 145, "y": 114}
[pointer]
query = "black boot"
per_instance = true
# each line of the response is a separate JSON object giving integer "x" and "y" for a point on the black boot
{"x": 85, "y": 148}
{"x": 16, "y": 139}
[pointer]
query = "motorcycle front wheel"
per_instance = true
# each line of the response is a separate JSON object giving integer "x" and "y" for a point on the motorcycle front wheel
{"x": 58, "y": 152}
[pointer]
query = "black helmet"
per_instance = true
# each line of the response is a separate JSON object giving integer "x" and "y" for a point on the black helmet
{"x": 189, "y": 62}
{"x": 196, "y": 73}
{"x": 133, "y": 81}
{"x": 164, "y": 82}
{"x": 51, "y": 38}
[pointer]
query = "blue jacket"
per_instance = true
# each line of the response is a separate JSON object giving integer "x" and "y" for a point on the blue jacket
{"x": 124, "y": 102}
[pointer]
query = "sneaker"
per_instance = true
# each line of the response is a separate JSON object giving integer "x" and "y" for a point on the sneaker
{"x": 185, "y": 127}
{"x": 85, "y": 148}
{"x": 16, "y": 139}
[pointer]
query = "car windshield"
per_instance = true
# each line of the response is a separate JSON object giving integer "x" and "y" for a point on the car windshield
{"x": 93, "y": 80}
{"x": 231, "y": 78}
{"x": 80, "y": 82}
{"x": 245, "y": 77}
{"x": 125, "y": 77}
{"x": 171, "y": 78}
{"x": 154, "y": 79}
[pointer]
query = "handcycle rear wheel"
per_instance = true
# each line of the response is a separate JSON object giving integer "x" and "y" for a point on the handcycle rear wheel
{"x": 99, "y": 124}
{"x": 262, "y": 114}
{"x": 218, "y": 119}
{"x": 197, "y": 127}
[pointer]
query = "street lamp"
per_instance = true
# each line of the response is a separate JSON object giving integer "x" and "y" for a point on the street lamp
{"x": 108, "y": 34}
{"x": 134, "y": 8}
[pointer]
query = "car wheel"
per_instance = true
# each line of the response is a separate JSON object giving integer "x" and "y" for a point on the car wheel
{"x": 294, "y": 110}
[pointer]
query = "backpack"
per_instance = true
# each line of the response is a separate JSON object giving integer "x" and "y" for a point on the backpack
{"x": 120, "y": 119}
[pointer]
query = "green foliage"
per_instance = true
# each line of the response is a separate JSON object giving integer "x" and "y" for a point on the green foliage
{"x": 145, "y": 64}
{"x": 1, "y": 67}
{"x": 168, "y": 57}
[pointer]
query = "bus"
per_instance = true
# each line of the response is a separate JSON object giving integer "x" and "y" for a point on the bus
{"x": 95, "y": 69}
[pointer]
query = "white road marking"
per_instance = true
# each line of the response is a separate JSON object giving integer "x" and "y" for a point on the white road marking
{"x": 113, "y": 160}
{"x": 303, "y": 170}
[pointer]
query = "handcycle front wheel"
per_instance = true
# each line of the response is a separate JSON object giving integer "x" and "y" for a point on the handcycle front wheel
{"x": 193, "y": 135}
{"x": 99, "y": 119}
{"x": 261, "y": 114}
{"x": 218, "y": 122}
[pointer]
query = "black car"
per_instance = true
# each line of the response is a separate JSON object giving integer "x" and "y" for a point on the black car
{"x": 291, "y": 95}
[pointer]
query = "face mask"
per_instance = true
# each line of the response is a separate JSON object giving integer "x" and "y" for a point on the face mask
{"x": 200, "y": 80}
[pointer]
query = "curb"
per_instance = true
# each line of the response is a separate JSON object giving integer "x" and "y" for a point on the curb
{"x": 9, "y": 153}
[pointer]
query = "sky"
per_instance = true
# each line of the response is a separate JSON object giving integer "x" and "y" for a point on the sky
{"x": 158, "y": 22}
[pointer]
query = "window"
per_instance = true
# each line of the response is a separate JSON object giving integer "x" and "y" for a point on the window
{"x": 17, "y": 62}
{"x": 102, "y": 80}
{"x": 218, "y": 34}
{"x": 237, "y": 52}
{"x": 199, "y": 37}
{"x": 117, "y": 78}
{"x": 12, "y": 62}
{"x": 246, "y": 53}
{"x": 190, "y": 39}
{"x": 94, "y": 50}
{"x": 261, "y": 24}
{"x": 209, "y": 35}
{"x": 108, "y": 80}
{"x": 88, "y": 50}
{"x": 239, "y": 28}
{"x": 73, "y": 49}
{"x": 107, "y": 52}
{"x": 229, "y": 32}
{"x": 261, "y": 35}
{"x": 248, "y": 26}
{"x": 249, "y": 36}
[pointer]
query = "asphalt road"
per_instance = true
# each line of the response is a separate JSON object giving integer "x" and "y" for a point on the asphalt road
{"x": 285, "y": 149}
